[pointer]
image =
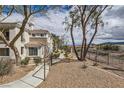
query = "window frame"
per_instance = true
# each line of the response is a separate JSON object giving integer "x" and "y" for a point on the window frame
{"x": 33, "y": 51}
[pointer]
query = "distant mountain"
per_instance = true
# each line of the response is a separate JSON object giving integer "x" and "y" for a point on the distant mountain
{"x": 120, "y": 43}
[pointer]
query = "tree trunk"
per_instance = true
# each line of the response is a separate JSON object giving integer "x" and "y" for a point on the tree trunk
{"x": 17, "y": 56}
{"x": 71, "y": 32}
{"x": 22, "y": 29}
{"x": 15, "y": 50}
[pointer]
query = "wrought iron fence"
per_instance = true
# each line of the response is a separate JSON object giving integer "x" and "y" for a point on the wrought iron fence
{"x": 110, "y": 58}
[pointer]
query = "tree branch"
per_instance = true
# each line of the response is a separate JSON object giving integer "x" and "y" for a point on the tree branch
{"x": 8, "y": 14}
{"x": 3, "y": 38}
{"x": 40, "y": 10}
{"x": 82, "y": 13}
{"x": 91, "y": 12}
{"x": 25, "y": 10}
{"x": 96, "y": 28}
{"x": 20, "y": 32}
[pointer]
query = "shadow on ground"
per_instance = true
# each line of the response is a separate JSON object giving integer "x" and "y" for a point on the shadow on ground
{"x": 115, "y": 69}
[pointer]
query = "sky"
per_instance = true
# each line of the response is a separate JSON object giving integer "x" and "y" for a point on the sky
{"x": 113, "y": 30}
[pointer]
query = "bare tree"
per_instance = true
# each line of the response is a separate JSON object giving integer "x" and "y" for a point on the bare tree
{"x": 88, "y": 19}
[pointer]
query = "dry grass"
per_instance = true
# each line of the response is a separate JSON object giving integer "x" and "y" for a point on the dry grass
{"x": 71, "y": 75}
{"x": 20, "y": 72}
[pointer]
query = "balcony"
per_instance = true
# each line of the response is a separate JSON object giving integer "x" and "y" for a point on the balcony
{"x": 38, "y": 36}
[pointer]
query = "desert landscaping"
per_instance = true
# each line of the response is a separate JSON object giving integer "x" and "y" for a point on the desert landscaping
{"x": 72, "y": 75}
{"x": 64, "y": 46}
{"x": 19, "y": 73}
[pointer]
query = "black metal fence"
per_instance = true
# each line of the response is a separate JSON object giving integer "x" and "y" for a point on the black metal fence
{"x": 110, "y": 58}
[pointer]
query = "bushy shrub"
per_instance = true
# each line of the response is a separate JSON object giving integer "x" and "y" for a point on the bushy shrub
{"x": 25, "y": 61}
{"x": 55, "y": 55}
{"x": 108, "y": 47}
{"x": 115, "y": 48}
{"x": 5, "y": 67}
{"x": 66, "y": 55}
{"x": 56, "y": 51}
{"x": 37, "y": 60}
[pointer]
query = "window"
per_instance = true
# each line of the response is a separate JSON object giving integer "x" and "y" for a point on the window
{"x": 33, "y": 51}
{"x": 7, "y": 35}
{"x": 22, "y": 38}
{"x": 4, "y": 51}
{"x": 0, "y": 39}
{"x": 22, "y": 50}
{"x": 41, "y": 35}
{"x": 33, "y": 35}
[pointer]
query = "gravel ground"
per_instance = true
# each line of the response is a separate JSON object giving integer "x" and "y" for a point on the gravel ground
{"x": 110, "y": 68}
{"x": 71, "y": 75}
{"x": 20, "y": 72}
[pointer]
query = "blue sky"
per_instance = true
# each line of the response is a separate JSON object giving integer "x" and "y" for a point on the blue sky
{"x": 112, "y": 32}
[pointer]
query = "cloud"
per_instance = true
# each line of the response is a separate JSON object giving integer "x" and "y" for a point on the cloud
{"x": 116, "y": 12}
{"x": 53, "y": 23}
{"x": 15, "y": 17}
{"x": 113, "y": 30}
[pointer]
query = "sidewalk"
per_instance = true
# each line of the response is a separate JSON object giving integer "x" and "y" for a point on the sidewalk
{"x": 31, "y": 80}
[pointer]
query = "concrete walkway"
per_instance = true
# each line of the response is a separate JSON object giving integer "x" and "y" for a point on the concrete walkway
{"x": 31, "y": 80}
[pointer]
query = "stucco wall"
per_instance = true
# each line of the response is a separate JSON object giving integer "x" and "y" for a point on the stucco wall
{"x": 50, "y": 43}
{"x": 18, "y": 43}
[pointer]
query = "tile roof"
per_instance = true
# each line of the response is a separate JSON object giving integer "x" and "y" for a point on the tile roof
{"x": 40, "y": 31}
{"x": 8, "y": 25}
{"x": 36, "y": 42}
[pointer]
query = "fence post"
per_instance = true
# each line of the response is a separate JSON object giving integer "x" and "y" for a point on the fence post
{"x": 44, "y": 70}
{"x": 51, "y": 59}
{"x": 89, "y": 55}
{"x": 96, "y": 56}
{"x": 108, "y": 57}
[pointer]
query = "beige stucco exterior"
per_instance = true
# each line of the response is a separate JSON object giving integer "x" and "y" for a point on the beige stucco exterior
{"x": 19, "y": 44}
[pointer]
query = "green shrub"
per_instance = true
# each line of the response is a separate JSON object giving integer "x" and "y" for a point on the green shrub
{"x": 5, "y": 67}
{"x": 37, "y": 60}
{"x": 55, "y": 55}
{"x": 25, "y": 61}
{"x": 108, "y": 47}
{"x": 65, "y": 48}
{"x": 66, "y": 55}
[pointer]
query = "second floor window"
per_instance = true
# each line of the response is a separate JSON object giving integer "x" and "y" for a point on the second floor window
{"x": 6, "y": 34}
{"x": 22, "y": 50}
{"x": 41, "y": 35}
{"x": 22, "y": 37}
{"x": 33, "y": 35}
